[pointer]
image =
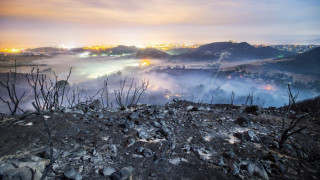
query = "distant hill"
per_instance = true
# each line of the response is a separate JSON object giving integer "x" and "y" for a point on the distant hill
{"x": 123, "y": 49}
{"x": 178, "y": 51}
{"x": 307, "y": 63}
{"x": 46, "y": 49}
{"x": 151, "y": 53}
{"x": 233, "y": 51}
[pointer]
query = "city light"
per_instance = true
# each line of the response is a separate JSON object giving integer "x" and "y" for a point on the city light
{"x": 13, "y": 50}
{"x": 98, "y": 48}
{"x": 268, "y": 87}
{"x": 145, "y": 62}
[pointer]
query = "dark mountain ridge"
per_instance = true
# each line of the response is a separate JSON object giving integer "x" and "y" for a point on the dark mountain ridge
{"x": 151, "y": 53}
{"x": 307, "y": 63}
{"x": 123, "y": 49}
{"x": 233, "y": 51}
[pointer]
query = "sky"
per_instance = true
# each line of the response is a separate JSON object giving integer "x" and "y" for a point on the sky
{"x": 35, "y": 23}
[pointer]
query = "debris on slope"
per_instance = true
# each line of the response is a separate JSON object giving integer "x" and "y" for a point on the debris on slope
{"x": 181, "y": 140}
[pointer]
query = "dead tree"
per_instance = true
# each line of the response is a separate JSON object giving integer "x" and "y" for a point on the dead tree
{"x": 10, "y": 85}
{"x": 232, "y": 98}
{"x": 72, "y": 97}
{"x": 42, "y": 91}
{"x": 291, "y": 128}
{"x": 51, "y": 158}
{"x": 130, "y": 96}
{"x": 249, "y": 99}
{"x": 105, "y": 94}
{"x": 48, "y": 94}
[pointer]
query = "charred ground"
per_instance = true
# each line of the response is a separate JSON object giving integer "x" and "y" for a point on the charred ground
{"x": 181, "y": 140}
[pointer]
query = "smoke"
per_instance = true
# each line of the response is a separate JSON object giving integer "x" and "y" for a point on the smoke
{"x": 192, "y": 81}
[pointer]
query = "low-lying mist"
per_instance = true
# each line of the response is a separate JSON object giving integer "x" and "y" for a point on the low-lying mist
{"x": 168, "y": 80}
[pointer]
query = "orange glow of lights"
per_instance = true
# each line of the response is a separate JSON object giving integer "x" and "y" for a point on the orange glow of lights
{"x": 145, "y": 62}
{"x": 268, "y": 87}
{"x": 98, "y": 48}
{"x": 229, "y": 77}
{"x": 13, "y": 50}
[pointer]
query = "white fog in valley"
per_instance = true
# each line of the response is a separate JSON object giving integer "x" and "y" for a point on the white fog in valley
{"x": 168, "y": 80}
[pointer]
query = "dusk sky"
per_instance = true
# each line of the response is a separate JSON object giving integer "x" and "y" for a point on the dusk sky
{"x": 34, "y": 23}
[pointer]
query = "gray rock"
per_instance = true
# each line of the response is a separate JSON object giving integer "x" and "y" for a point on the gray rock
{"x": 243, "y": 121}
{"x": 35, "y": 158}
{"x": 80, "y": 153}
{"x": 250, "y": 136}
{"x": 124, "y": 174}
{"x": 72, "y": 175}
{"x": 171, "y": 111}
{"x": 140, "y": 149}
{"x": 23, "y": 173}
{"x": 229, "y": 154}
{"x": 40, "y": 165}
{"x": 94, "y": 152}
{"x": 6, "y": 167}
{"x": 164, "y": 131}
{"x": 125, "y": 130}
{"x": 142, "y": 134}
{"x": 85, "y": 131}
{"x": 247, "y": 136}
{"x": 133, "y": 116}
{"x": 192, "y": 108}
{"x": 95, "y": 105}
{"x": 201, "y": 108}
{"x": 65, "y": 154}
{"x": 221, "y": 163}
{"x": 128, "y": 124}
{"x": 55, "y": 166}
{"x": 130, "y": 142}
{"x": 100, "y": 115}
{"x": 186, "y": 148}
{"x": 103, "y": 128}
{"x": 234, "y": 169}
{"x": 156, "y": 124}
{"x": 150, "y": 111}
{"x": 46, "y": 153}
{"x": 67, "y": 110}
{"x": 257, "y": 169}
{"x": 107, "y": 171}
{"x": 96, "y": 159}
{"x": 113, "y": 148}
{"x": 82, "y": 107}
{"x": 147, "y": 153}
{"x": 85, "y": 157}
{"x": 79, "y": 111}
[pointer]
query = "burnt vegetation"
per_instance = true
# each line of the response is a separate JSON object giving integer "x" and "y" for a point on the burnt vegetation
{"x": 228, "y": 141}
{"x": 13, "y": 100}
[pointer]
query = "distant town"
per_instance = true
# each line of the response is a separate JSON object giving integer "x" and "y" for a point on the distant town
{"x": 106, "y": 50}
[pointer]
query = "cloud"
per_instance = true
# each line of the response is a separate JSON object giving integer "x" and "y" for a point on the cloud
{"x": 153, "y": 20}
{"x": 135, "y": 12}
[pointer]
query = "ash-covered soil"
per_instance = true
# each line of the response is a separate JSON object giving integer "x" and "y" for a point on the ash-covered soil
{"x": 181, "y": 140}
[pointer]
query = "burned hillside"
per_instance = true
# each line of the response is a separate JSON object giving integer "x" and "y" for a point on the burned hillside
{"x": 180, "y": 140}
